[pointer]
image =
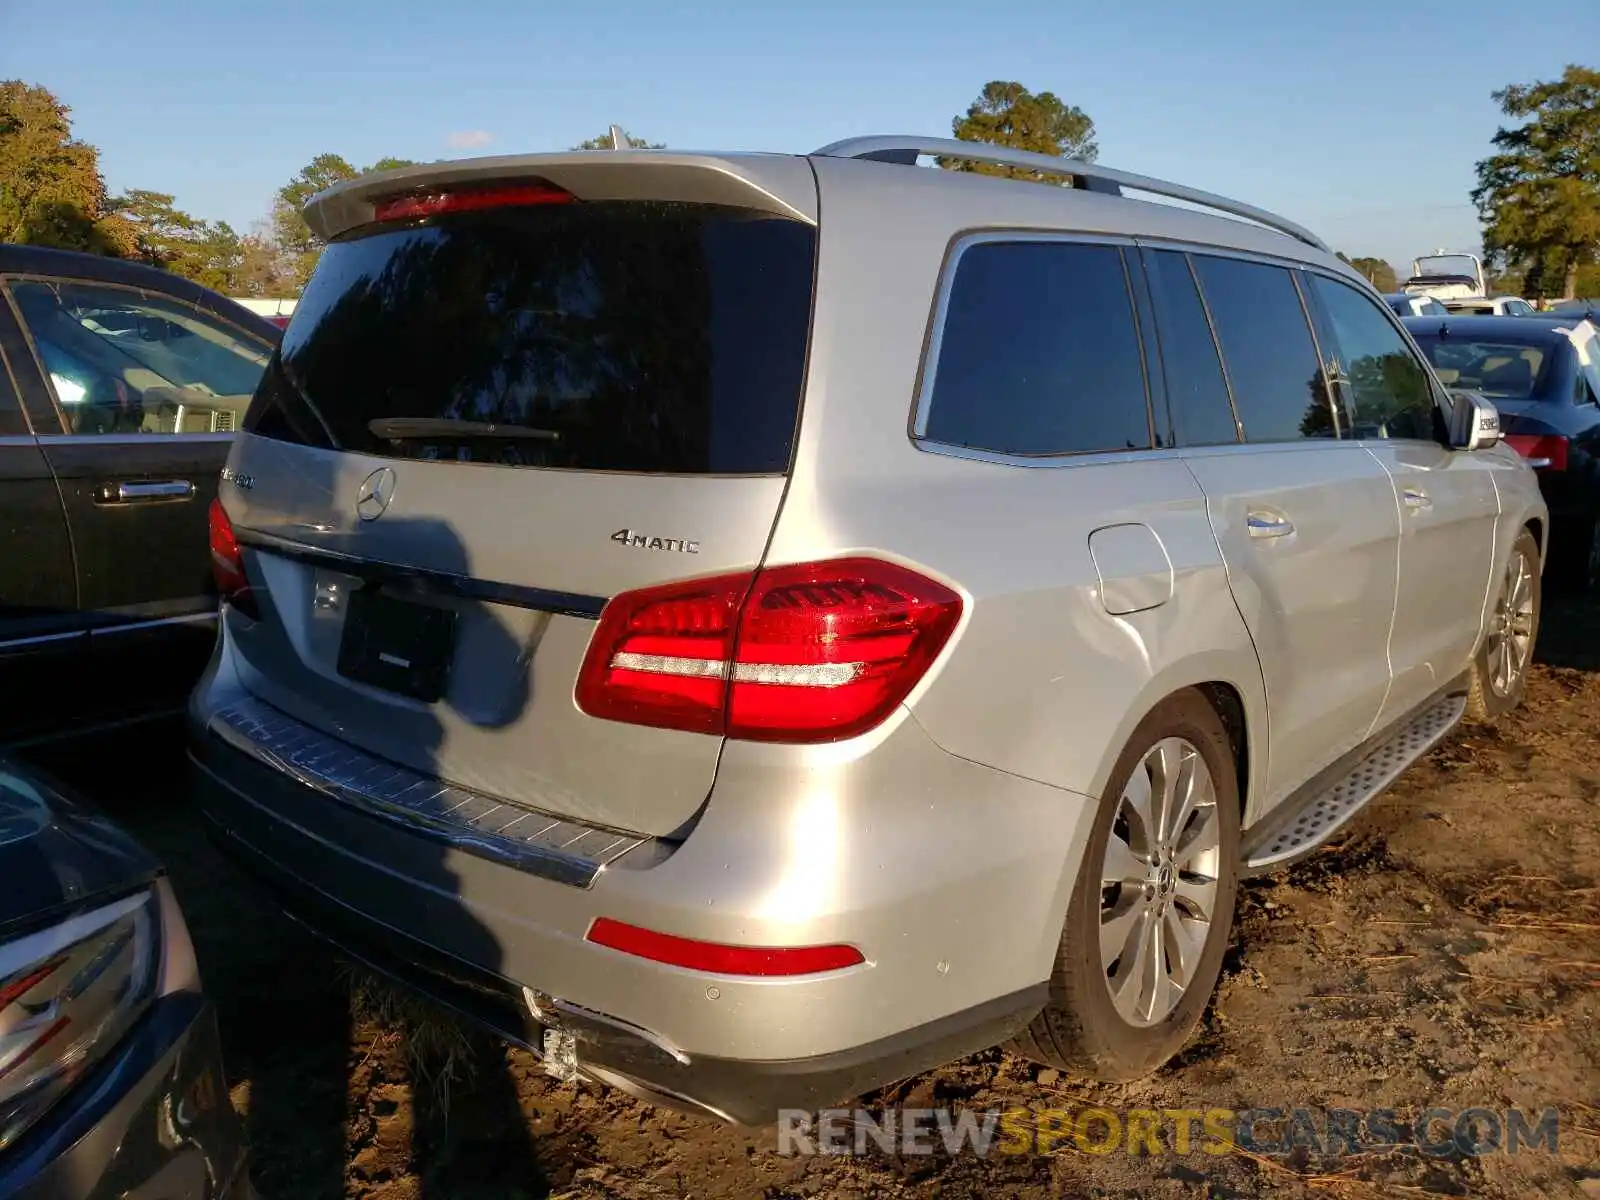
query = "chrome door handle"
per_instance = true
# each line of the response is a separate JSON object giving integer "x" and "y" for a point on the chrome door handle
{"x": 1417, "y": 498}
{"x": 143, "y": 491}
{"x": 1265, "y": 524}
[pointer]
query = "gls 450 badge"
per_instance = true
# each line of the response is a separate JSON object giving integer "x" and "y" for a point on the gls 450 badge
{"x": 644, "y": 541}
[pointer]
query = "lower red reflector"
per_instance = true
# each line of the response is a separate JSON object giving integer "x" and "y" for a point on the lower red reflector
{"x": 717, "y": 958}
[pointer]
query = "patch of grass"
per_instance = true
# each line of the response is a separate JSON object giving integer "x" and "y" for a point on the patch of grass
{"x": 438, "y": 1045}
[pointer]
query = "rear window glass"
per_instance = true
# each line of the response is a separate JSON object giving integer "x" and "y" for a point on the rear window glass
{"x": 1499, "y": 370}
{"x": 1039, "y": 353}
{"x": 645, "y": 337}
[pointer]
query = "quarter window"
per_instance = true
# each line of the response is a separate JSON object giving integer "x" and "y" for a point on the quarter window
{"x": 1039, "y": 353}
{"x": 1383, "y": 385}
{"x": 125, "y": 361}
{"x": 1278, "y": 387}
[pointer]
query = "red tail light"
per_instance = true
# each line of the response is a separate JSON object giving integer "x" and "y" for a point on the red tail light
{"x": 1547, "y": 445}
{"x": 720, "y": 959}
{"x": 432, "y": 202}
{"x": 227, "y": 563}
{"x": 814, "y": 652}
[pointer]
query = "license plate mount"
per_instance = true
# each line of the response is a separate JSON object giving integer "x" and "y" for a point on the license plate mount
{"x": 397, "y": 644}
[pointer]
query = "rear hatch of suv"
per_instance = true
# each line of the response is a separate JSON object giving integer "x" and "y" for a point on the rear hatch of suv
{"x": 511, "y": 391}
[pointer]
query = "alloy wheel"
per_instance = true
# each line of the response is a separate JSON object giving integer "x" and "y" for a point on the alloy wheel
{"x": 1158, "y": 892}
{"x": 1511, "y": 628}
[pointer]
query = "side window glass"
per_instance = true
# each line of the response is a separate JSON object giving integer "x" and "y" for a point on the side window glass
{"x": 1588, "y": 349}
{"x": 1383, "y": 384}
{"x": 1039, "y": 353}
{"x": 124, "y": 361}
{"x": 1201, "y": 412}
{"x": 1272, "y": 364}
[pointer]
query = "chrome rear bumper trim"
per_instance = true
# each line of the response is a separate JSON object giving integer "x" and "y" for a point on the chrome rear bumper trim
{"x": 538, "y": 843}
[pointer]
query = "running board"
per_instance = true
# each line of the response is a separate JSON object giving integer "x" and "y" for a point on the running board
{"x": 1332, "y": 807}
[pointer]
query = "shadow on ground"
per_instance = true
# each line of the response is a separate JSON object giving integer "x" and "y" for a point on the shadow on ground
{"x": 342, "y": 1091}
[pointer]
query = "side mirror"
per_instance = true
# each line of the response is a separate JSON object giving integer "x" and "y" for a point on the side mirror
{"x": 1474, "y": 421}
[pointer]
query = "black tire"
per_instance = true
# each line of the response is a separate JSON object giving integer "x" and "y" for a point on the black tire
{"x": 1080, "y": 1029}
{"x": 1486, "y": 699}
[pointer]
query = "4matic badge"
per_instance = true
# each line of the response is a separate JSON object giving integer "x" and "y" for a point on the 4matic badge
{"x": 644, "y": 541}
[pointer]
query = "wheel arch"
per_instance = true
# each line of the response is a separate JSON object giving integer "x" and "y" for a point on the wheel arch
{"x": 1236, "y": 691}
{"x": 1536, "y": 525}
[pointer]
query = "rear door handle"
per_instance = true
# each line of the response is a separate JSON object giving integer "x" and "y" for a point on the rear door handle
{"x": 1264, "y": 523}
{"x": 1417, "y": 498}
{"x": 143, "y": 491}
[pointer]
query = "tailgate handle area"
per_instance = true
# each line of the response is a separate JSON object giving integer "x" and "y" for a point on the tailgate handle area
{"x": 143, "y": 491}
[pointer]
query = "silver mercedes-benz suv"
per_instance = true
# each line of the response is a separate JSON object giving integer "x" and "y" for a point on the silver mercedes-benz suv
{"x": 753, "y": 627}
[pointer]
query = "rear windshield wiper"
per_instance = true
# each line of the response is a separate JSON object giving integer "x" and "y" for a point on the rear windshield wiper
{"x": 446, "y": 429}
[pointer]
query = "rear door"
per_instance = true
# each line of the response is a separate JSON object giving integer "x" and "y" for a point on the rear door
{"x": 484, "y": 423}
{"x": 1447, "y": 498}
{"x": 141, "y": 394}
{"x": 40, "y": 629}
{"x": 1305, "y": 519}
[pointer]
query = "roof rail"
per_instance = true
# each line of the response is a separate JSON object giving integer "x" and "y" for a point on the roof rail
{"x": 1090, "y": 176}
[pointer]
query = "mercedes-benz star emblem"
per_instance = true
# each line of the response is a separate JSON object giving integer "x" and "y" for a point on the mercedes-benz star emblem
{"x": 377, "y": 489}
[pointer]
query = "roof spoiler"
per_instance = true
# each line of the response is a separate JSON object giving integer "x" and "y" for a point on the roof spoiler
{"x": 780, "y": 184}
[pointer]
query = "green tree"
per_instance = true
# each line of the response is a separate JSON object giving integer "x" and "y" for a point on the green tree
{"x": 51, "y": 191}
{"x": 210, "y": 253}
{"x": 1377, "y": 272}
{"x": 1008, "y": 114}
{"x": 297, "y": 246}
{"x": 1538, "y": 195}
{"x": 603, "y": 142}
{"x": 160, "y": 234}
{"x": 261, "y": 268}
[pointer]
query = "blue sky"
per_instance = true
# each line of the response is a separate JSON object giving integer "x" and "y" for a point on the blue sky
{"x": 1361, "y": 119}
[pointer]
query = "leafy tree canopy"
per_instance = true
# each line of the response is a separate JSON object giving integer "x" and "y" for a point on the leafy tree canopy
{"x": 1378, "y": 272}
{"x": 51, "y": 192}
{"x": 295, "y": 242}
{"x": 1538, "y": 195}
{"x": 1008, "y": 114}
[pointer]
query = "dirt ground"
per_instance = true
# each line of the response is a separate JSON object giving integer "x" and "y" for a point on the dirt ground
{"x": 1445, "y": 952}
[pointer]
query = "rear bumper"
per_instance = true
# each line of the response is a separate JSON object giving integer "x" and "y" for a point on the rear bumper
{"x": 952, "y": 878}
{"x": 152, "y": 1121}
{"x": 613, "y": 1053}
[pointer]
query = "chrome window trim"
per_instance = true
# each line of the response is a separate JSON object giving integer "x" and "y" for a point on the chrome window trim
{"x": 455, "y": 816}
{"x": 1183, "y": 245}
{"x": 934, "y": 341}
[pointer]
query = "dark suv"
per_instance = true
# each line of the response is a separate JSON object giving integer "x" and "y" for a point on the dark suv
{"x": 120, "y": 389}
